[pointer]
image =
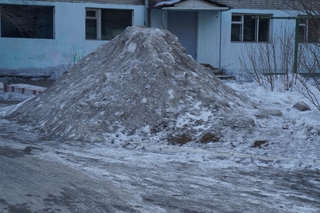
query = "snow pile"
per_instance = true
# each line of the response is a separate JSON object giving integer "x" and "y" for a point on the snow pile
{"x": 141, "y": 85}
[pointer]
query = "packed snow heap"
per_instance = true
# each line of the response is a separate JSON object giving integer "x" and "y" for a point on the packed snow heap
{"x": 139, "y": 85}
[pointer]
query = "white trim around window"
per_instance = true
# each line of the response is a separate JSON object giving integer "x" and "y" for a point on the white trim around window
{"x": 250, "y": 28}
{"x": 105, "y": 24}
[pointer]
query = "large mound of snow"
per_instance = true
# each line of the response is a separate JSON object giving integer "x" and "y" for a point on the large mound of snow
{"x": 140, "y": 83}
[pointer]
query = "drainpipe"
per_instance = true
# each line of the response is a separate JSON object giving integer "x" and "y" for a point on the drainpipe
{"x": 146, "y": 13}
{"x": 296, "y": 47}
{"x": 220, "y": 38}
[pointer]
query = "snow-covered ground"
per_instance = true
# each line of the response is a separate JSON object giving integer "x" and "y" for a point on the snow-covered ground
{"x": 293, "y": 134}
{"x": 290, "y": 139}
{"x": 232, "y": 176}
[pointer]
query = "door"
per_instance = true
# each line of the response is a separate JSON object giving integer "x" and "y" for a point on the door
{"x": 184, "y": 26}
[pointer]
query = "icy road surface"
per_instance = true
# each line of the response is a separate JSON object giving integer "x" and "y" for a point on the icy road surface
{"x": 49, "y": 176}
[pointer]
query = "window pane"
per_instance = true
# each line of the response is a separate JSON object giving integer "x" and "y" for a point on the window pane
{"x": 264, "y": 29}
{"x": 236, "y": 17}
{"x": 91, "y": 29}
{"x": 313, "y": 30}
{"x": 302, "y": 33}
{"x": 113, "y": 22}
{"x": 28, "y": 22}
{"x": 249, "y": 29}
{"x": 91, "y": 13}
{"x": 45, "y": 24}
{"x": 302, "y": 21}
{"x": 236, "y": 32}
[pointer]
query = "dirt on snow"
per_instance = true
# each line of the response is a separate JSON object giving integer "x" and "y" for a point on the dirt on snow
{"x": 142, "y": 85}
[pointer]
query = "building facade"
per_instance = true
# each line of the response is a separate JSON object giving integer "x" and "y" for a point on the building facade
{"x": 213, "y": 32}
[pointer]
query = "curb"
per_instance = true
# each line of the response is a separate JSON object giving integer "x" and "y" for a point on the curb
{"x": 24, "y": 89}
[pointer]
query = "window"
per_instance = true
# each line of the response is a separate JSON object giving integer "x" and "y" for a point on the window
{"x": 309, "y": 30}
{"x": 248, "y": 28}
{"x": 25, "y": 21}
{"x": 105, "y": 24}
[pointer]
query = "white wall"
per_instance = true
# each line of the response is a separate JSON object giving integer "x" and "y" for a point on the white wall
{"x": 232, "y": 50}
{"x": 69, "y": 41}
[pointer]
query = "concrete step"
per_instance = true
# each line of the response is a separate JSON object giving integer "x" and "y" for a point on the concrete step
{"x": 219, "y": 73}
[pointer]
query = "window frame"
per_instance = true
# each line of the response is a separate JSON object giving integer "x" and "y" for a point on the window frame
{"x": 98, "y": 18}
{"x": 34, "y": 33}
{"x": 242, "y": 27}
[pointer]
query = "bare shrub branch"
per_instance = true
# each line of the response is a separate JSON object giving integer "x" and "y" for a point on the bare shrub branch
{"x": 269, "y": 63}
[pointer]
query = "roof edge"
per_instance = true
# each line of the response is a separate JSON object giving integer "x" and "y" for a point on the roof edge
{"x": 171, "y": 3}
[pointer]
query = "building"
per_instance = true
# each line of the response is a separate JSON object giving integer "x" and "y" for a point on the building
{"x": 214, "y": 32}
{"x": 62, "y": 32}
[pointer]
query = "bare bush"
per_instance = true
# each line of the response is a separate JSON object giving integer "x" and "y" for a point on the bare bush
{"x": 309, "y": 37}
{"x": 270, "y": 64}
{"x": 308, "y": 87}
{"x": 309, "y": 77}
